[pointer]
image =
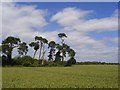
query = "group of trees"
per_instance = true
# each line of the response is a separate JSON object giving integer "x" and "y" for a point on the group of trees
{"x": 57, "y": 51}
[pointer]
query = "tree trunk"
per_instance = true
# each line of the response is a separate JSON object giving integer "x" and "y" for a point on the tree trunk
{"x": 62, "y": 51}
{"x": 43, "y": 55}
{"x": 9, "y": 56}
{"x": 40, "y": 51}
{"x": 34, "y": 54}
{"x": 62, "y": 56}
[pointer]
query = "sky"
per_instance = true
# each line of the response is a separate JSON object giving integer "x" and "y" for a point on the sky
{"x": 91, "y": 27}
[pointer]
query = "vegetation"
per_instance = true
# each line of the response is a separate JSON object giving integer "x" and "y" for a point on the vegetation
{"x": 57, "y": 52}
{"x": 77, "y": 76}
{"x": 8, "y": 45}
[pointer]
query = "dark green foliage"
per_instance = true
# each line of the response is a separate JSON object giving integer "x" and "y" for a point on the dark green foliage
{"x": 95, "y": 63}
{"x": 8, "y": 45}
{"x": 23, "y": 48}
{"x": 36, "y": 47}
{"x": 56, "y": 54}
{"x": 41, "y": 41}
{"x": 4, "y": 60}
{"x": 51, "y": 45}
{"x": 35, "y": 63}
{"x": 72, "y": 60}
{"x": 71, "y": 52}
{"x": 63, "y": 51}
{"x": 69, "y": 63}
{"x": 58, "y": 57}
{"x": 24, "y": 61}
{"x": 51, "y": 64}
{"x": 61, "y": 35}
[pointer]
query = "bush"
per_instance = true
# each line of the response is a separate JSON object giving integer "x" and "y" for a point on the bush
{"x": 69, "y": 63}
{"x": 24, "y": 61}
{"x": 51, "y": 63}
{"x": 35, "y": 63}
{"x": 72, "y": 61}
{"x": 4, "y": 60}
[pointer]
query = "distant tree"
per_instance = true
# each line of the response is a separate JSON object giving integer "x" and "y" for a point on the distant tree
{"x": 8, "y": 45}
{"x": 71, "y": 53}
{"x": 39, "y": 40}
{"x": 23, "y": 48}
{"x": 58, "y": 57}
{"x": 36, "y": 47}
{"x": 51, "y": 45}
{"x": 62, "y": 36}
{"x": 58, "y": 53}
{"x": 45, "y": 41}
{"x": 65, "y": 49}
{"x": 42, "y": 42}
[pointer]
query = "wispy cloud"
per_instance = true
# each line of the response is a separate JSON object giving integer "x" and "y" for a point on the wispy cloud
{"x": 76, "y": 26}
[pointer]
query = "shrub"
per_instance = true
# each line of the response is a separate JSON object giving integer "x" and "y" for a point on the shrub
{"x": 72, "y": 61}
{"x": 45, "y": 63}
{"x": 25, "y": 61}
{"x": 69, "y": 63}
{"x": 51, "y": 63}
{"x": 35, "y": 63}
{"x": 4, "y": 60}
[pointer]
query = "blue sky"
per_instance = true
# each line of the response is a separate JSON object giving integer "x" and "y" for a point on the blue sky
{"x": 102, "y": 10}
{"x": 91, "y": 26}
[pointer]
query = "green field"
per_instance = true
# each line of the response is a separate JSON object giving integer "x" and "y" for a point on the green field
{"x": 78, "y": 76}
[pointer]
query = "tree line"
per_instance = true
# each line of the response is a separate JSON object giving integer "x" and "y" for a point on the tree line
{"x": 56, "y": 51}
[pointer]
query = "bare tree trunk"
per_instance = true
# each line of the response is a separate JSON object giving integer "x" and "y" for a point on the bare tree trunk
{"x": 34, "y": 54}
{"x": 40, "y": 51}
{"x": 62, "y": 50}
{"x": 62, "y": 56}
{"x": 43, "y": 55}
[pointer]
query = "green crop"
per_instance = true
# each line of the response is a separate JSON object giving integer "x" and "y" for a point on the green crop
{"x": 77, "y": 76}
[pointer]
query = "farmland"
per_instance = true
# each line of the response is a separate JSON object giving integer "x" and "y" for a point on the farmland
{"x": 77, "y": 76}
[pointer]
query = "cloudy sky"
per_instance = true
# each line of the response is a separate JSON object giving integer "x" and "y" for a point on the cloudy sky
{"x": 92, "y": 28}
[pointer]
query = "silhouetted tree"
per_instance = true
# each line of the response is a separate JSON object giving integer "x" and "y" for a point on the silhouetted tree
{"x": 23, "y": 48}
{"x": 51, "y": 45}
{"x": 58, "y": 53}
{"x": 39, "y": 40}
{"x": 62, "y": 36}
{"x": 36, "y": 47}
{"x": 8, "y": 45}
{"x": 71, "y": 53}
{"x": 42, "y": 42}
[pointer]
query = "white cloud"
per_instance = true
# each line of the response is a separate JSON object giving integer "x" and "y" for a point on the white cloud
{"x": 76, "y": 26}
{"x": 75, "y": 19}
{"x": 70, "y": 16}
{"x": 20, "y": 20}
{"x": 24, "y": 22}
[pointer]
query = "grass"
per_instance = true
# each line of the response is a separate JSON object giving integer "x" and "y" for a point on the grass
{"x": 77, "y": 76}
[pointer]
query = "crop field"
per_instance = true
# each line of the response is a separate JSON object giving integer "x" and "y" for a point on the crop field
{"x": 77, "y": 76}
